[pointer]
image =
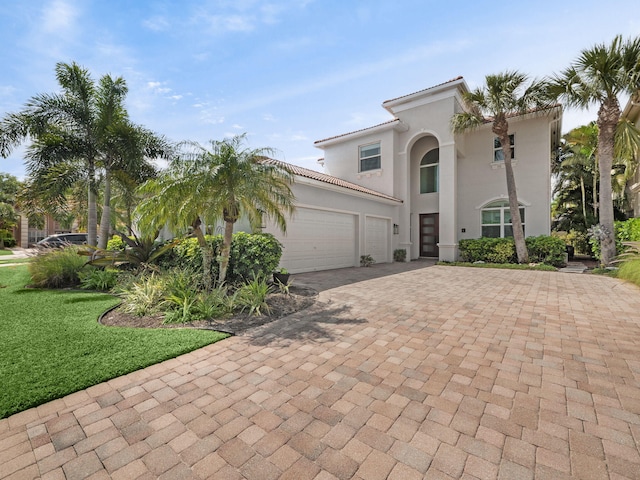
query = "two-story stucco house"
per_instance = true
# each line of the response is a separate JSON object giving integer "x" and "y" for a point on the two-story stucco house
{"x": 411, "y": 184}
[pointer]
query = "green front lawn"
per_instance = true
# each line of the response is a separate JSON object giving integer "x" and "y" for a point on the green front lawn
{"x": 14, "y": 260}
{"x": 51, "y": 343}
{"x": 5, "y": 252}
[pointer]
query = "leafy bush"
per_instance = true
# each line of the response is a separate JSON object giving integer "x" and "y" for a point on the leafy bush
{"x": 543, "y": 249}
{"x": 252, "y": 256}
{"x": 116, "y": 243}
{"x": 366, "y": 260}
{"x": 7, "y": 239}
{"x": 546, "y": 249}
{"x": 627, "y": 231}
{"x": 399, "y": 255}
{"x": 481, "y": 249}
{"x": 503, "y": 252}
{"x": 144, "y": 296}
{"x": 98, "y": 279}
{"x": 579, "y": 241}
{"x": 57, "y": 268}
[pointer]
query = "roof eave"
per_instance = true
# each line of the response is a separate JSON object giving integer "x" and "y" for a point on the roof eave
{"x": 395, "y": 124}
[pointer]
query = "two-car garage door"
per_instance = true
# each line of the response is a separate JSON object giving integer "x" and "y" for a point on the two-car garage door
{"x": 319, "y": 240}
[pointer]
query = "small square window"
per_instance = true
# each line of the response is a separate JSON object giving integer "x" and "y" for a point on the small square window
{"x": 369, "y": 157}
{"x": 498, "y": 154}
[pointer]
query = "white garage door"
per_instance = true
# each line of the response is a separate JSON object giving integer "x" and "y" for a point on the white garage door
{"x": 377, "y": 239}
{"x": 319, "y": 240}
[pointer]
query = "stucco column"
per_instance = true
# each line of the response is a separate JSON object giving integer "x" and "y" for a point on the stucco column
{"x": 448, "y": 207}
{"x": 24, "y": 231}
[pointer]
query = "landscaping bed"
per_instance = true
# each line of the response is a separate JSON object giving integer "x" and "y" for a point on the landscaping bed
{"x": 280, "y": 305}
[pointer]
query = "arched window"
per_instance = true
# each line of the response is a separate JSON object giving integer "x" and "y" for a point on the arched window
{"x": 496, "y": 219}
{"x": 429, "y": 171}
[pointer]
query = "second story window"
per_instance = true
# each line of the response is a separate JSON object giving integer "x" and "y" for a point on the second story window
{"x": 498, "y": 154}
{"x": 370, "y": 157}
{"x": 429, "y": 172}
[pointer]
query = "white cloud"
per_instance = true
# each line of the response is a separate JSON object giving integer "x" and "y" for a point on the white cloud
{"x": 175, "y": 97}
{"x": 58, "y": 17}
{"x": 157, "y": 23}
{"x": 267, "y": 117}
{"x": 237, "y": 127}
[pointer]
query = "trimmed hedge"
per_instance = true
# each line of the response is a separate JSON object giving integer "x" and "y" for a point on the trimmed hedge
{"x": 251, "y": 255}
{"x": 542, "y": 249}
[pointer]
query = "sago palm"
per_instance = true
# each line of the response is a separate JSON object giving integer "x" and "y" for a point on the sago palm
{"x": 600, "y": 76}
{"x": 503, "y": 95}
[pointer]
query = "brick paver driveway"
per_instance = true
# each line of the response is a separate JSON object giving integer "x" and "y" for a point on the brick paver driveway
{"x": 439, "y": 372}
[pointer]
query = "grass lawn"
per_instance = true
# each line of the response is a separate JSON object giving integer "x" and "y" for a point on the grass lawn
{"x": 52, "y": 344}
{"x": 5, "y": 252}
{"x": 14, "y": 260}
{"x": 508, "y": 266}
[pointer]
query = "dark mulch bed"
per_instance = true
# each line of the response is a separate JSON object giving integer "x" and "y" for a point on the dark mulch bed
{"x": 280, "y": 305}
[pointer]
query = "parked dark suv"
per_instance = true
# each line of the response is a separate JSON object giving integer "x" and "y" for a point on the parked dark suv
{"x": 62, "y": 239}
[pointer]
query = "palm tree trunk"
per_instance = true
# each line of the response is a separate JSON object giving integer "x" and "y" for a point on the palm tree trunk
{"x": 207, "y": 255}
{"x": 226, "y": 250}
{"x": 105, "y": 221}
{"x": 92, "y": 214}
{"x": 608, "y": 117}
{"x": 584, "y": 201}
{"x": 501, "y": 129}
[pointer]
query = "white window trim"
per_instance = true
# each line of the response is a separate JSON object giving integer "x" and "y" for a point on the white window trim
{"x": 430, "y": 165}
{"x": 499, "y": 149}
{"x": 502, "y": 209}
{"x": 361, "y": 158}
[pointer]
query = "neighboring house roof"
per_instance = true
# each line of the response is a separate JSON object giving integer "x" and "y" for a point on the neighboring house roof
{"x": 322, "y": 177}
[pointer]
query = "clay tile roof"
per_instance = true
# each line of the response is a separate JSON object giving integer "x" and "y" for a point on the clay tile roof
{"x": 424, "y": 90}
{"x": 322, "y": 177}
{"x": 357, "y": 131}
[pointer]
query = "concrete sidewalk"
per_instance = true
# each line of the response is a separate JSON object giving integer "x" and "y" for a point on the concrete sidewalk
{"x": 439, "y": 372}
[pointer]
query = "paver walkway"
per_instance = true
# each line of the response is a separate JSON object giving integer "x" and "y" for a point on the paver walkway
{"x": 439, "y": 372}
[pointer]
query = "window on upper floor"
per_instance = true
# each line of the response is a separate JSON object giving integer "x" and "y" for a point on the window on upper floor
{"x": 498, "y": 154}
{"x": 429, "y": 171}
{"x": 496, "y": 219}
{"x": 369, "y": 157}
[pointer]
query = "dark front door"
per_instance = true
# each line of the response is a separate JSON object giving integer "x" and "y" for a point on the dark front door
{"x": 429, "y": 235}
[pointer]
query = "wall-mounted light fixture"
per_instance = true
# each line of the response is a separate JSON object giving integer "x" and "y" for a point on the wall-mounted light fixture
{"x": 396, "y": 229}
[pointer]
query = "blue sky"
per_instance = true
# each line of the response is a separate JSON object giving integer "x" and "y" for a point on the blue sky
{"x": 288, "y": 72}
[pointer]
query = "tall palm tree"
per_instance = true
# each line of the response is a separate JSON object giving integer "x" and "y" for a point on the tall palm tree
{"x": 73, "y": 134}
{"x": 599, "y": 76}
{"x": 503, "y": 95}
{"x": 225, "y": 182}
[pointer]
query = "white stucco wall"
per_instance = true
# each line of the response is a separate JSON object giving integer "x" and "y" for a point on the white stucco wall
{"x": 481, "y": 180}
{"x": 321, "y": 196}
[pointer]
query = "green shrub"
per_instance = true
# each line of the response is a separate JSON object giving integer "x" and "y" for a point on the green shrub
{"x": 98, "y": 279}
{"x": 116, "y": 243}
{"x": 366, "y": 260}
{"x": 546, "y": 249}
{"x": 542, "y": 249}
{"x": 579, "y": 241}
{"x": 630, "y": 271}
{"x": 627, "y": 231}
{"x": 503, "y": 252}
{"x": 399, "y": 255}
{"x": 57, "y": 268}
{"x": 7, "y": 239}
{"x": 144, "y": 296}
{"x": 253, "y": 255}
{"x": 483, "y": 249}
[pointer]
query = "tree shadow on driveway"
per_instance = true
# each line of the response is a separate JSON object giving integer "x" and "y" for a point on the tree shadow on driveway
{"x": 317, "y": 323}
